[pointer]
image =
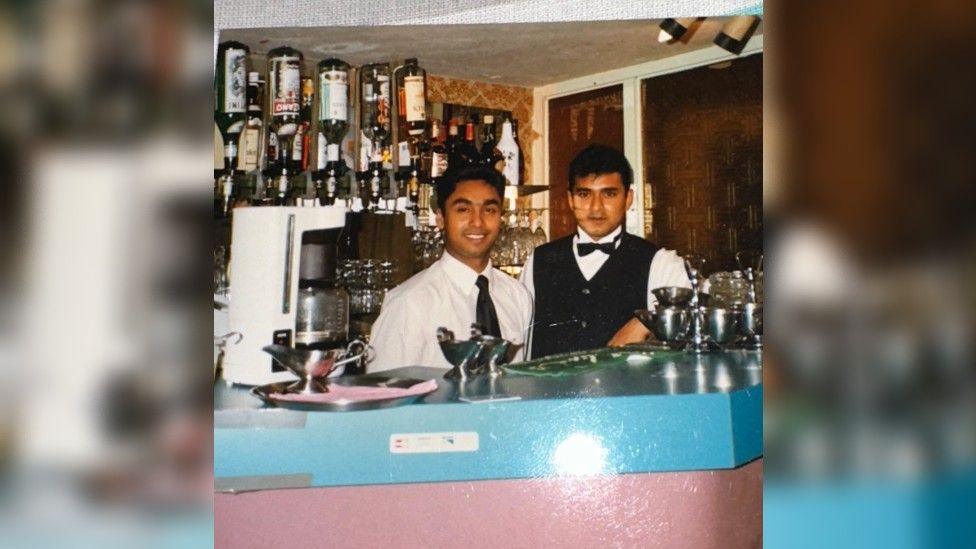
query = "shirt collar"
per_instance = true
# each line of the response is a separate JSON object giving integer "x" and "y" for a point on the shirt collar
{"x": 461, "y": 275}
{"x": 582, "y": 237}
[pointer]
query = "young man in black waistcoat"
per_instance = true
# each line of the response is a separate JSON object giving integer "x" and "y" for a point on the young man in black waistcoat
{"x": 587, "y": 285}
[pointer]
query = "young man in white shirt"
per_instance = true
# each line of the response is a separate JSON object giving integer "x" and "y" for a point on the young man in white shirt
{"x": 586, "y": 286}
{"x": 461, "y": 287}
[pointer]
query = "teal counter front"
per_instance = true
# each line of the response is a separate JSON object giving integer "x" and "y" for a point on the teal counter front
{"x": 633, "y": 411}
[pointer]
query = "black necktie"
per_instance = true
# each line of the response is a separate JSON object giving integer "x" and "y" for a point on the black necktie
{"x": 485, "y": 313}
{"x": 590, "y": 247}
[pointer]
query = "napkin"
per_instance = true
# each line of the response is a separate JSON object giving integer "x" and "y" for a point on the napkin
{"x": 345, "y": 393}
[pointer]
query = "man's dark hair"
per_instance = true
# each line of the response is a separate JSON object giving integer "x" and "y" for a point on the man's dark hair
{"x": 450, "y": 181}
{"x": 597, "y": 159}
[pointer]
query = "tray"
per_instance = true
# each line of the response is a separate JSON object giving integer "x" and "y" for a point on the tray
{"x": 264, "y": 393}
{"x": 581, "y": 362}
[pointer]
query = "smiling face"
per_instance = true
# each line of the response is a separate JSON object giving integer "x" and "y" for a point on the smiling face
{"x": 600, "y": 203}
{"x": 471, "y": 222}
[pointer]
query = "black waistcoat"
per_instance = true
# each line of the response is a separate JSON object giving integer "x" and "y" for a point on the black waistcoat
{"x": 573, "y": 314}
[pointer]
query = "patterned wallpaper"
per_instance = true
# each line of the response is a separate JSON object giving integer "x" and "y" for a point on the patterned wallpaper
{"x": 441, "y": 89}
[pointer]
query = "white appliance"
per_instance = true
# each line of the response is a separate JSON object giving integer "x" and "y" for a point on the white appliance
{"x": 266, "y": 246}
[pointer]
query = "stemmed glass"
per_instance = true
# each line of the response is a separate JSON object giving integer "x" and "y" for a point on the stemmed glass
{"x": 539, "y": 236}
{"x": 221, "y": 279}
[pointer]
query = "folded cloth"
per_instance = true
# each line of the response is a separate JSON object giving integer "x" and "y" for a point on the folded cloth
{"x": 345, "y": 393}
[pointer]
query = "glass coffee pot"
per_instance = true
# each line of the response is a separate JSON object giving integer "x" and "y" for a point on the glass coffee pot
{"x": 322, "y": 318}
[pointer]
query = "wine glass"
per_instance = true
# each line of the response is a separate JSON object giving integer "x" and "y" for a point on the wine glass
{"x": 539, "y": 233}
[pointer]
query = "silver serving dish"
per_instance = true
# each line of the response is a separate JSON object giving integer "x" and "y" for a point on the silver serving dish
{"x": 668, "y": 324}
{"x": 721, "y": 325}
{"x": 311, "y": 364}
{"x": 751, "y": 325}
{"x": 672, "y": 296}
{"x": 266, "y": 392}
{"x": 478, "y": 355}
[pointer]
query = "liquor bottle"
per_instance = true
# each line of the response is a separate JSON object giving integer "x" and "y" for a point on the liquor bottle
{"x": 303, "y": 135}
{"x": 438, "y": 153}
{"x": 231, "y": 108}
{"x": 375, "y": 123}
{"x": 411, "y": 81}
{"x": 511, "y": 155}
{"x": 250, "y": 147}
{"x": 467, "y": 153}
{"x": 489, "y": 153}
{"x": 284, "y": 100}
{"x": 375, "y": 84}
{"x": 251, "y": 140}
{"x": 333, "y": 123}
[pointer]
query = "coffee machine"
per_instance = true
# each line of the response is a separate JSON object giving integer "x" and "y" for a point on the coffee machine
{"x": 278, "y": 254}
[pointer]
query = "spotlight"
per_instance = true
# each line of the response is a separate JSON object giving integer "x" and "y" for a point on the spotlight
{"x": 736, "y": 33}
{"x": 674, "y": 29}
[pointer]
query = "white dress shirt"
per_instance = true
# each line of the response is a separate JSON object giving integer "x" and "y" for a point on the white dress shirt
{"x": 444, "y": 294}
{"x": 667, "y": 267}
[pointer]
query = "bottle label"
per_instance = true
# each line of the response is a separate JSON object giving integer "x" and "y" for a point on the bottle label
{"x": 383, "y": 103}
{"x": 414, "y": 90}
{"x": 286, "y": 86}
{"x": 249, "y": 144}
{"x": 333, "y": 95}
{"x": 511, "y": 169}
{"x": 296, "y": 147}
{"x": 403, "y": 153}
{"x": 321, "y": 151}
{"x": 235, "y": 81}
{"x": 438, "y": 164}
{"x": 332, "y": 152}
{"x": 365, "y": 151}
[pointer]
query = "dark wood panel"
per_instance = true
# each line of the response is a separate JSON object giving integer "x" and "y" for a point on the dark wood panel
{"x": 703, "y": 160}
{"x": 576, "y": 121}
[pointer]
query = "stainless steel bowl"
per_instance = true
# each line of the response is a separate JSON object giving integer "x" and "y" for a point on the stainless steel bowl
{"x": 750, "y": 319}
{"x": 721, "y": 325}
{"x": 310, "y": 364}
{"x": 462, "y": 353}
{"x": 672, "y": 296}
{"x": 668, "y": 324}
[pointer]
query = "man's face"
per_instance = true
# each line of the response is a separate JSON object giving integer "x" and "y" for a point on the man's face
{"x": 471, "y": 221}
{"x": 600, "y": 203}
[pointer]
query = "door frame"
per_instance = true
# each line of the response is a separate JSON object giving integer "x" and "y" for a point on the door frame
{"x": 630, "y": 78}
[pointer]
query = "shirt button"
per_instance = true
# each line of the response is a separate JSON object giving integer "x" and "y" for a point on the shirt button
{"x": 583, "y": 324}
{"x": 586, "y": 291}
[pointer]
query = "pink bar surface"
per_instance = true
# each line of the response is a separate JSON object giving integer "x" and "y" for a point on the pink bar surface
{"x": 697, "y": 509}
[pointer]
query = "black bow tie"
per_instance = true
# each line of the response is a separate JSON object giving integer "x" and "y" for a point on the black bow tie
{"x": 590, "y": 247}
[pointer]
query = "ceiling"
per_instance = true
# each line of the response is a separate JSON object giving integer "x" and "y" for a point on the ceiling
{"x": 523, "y": 54}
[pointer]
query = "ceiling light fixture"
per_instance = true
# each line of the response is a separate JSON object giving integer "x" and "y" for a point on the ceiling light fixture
{"x": 674, "y": 29}
{"x": 736, "y": 33}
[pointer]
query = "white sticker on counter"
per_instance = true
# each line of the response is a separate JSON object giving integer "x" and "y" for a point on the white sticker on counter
{"x": 433, "y": 443}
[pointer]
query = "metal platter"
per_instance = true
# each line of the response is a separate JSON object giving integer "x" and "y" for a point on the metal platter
{"x": 582, "y": 362}
{"x": 266, "y": 392}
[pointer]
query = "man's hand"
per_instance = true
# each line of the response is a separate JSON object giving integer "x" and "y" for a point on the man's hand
{"x": 632, "y": 332}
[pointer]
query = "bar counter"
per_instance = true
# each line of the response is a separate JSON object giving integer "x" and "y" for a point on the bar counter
{"x": 646, "y": 446}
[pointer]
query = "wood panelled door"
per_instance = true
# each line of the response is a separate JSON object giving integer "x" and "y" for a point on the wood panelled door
{"x": 703, "y": 161}
{"x": 576, "y": 121}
